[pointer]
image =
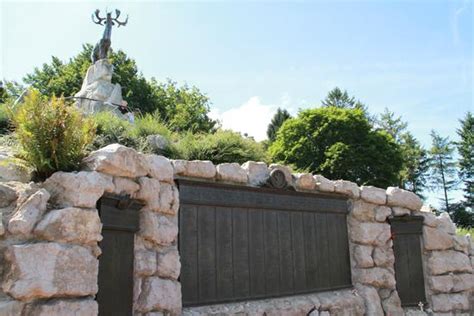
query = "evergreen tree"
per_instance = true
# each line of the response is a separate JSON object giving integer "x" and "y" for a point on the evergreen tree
{"x": 465, "y": 148}
{"x": 278, "y": 119}
{"x": 341, "y": 99}
{"x": 415, "y": 158}
{"x": 443, "y": 166}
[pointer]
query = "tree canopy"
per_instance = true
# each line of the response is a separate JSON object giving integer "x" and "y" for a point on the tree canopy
{"x": 277, "y": 121}
{"x": 465, "y": 148}
{"x": 413, "y": 175}
{"x": 338, "y": 143}
{"x": 184, "y": 108}
{"x": 443, "y": 166}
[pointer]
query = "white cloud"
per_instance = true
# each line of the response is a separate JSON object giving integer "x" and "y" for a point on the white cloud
{"x": 252, "y": 117}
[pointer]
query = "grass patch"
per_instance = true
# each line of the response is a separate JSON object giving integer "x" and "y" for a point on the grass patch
{"x": 464, "y": 231}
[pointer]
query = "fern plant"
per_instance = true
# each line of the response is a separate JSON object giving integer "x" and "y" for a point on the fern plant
{"x": 52, "y": 134}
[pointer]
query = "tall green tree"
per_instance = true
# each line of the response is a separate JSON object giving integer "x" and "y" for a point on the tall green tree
{"x": 442, "y": 166}
{"x": 413, "y": 175}
{"x": 465, "y": 147}
{"x": 277, "y": 121}
{"x": 339, "y": 143}
{"x": 181, "y": 107}
{"x": 416, "y": 164}
{"x": 341, "y": 99}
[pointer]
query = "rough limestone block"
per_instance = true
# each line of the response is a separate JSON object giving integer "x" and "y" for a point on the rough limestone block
{"x": 392, "y": 305}
{"x": 200, "y": 169}
{"x": 257, "y": 172}
{"x": 400, "y": 211}
{"x": 81, "y": 189}
{"x": 160, "y": 168}
{"x": 348, "y": 188}
{"x": 145, "y": 262}
{"x": 160, "y": 294}
{"x": 384, "y": 257}
{"x": 463, "y": 282}
{"x": 376, "y": 234}
{"x": 179, "y": 166}
{"x": 125, "y": 186}
{"x": 231, "y": 172}
{"x": 371, "y": 298}
{"x": 363, "y": 211}
{"x": 363, "y": 256}
{"x": 70, "y": 225}
{"x": 2, "y": 228}
{"x": 169, "y": 265}
{"x": 46, "y": 270}
{"x": 341, "y": 302}
{"x": 373, "y": 195}
{"x": 149, "y": 193}
{"x": 403, "y": 198}
{"x": 85, "y": 307}
{"x": 429, "y": 218}
{"x": 441, "y": 262}
{"x": 28, "y": 213}
{"x": 446, "y": 224}
{"x": 377, "y": 277}
{"x": 169, "y": 199}
{"x": 137, "y": 289}
{"x": 11, "y": 308}
{"x": 157, "y": 228}
{"x": 7, "y": 195}
{"x": 450, "y": 302}
{"x": 461, "y": 243}
{"x": 305, "y": 181}
{"x": 323, "y": 184}
{"x": 436, "y": 239}
{"x": 441, "y": 283}
{"x": 118, "y": 160}
{"x": 382, "y": 212}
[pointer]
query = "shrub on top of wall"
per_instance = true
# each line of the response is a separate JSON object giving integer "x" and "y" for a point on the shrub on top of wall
{"x": 221, "y": 146}
{"x": 52, "y": 134}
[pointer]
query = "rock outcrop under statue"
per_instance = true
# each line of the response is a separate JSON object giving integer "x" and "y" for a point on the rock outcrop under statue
{"x": 98, "y": 93}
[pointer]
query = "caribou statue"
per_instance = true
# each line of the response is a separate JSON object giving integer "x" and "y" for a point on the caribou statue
{"x": 101, "y": 49}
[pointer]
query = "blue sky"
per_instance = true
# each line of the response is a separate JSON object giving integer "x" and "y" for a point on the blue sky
{"x": 413, "y": 57}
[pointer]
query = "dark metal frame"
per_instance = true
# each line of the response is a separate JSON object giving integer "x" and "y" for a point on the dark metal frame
{"x": 268, "y": 200}
{"x": 406, "y": 235}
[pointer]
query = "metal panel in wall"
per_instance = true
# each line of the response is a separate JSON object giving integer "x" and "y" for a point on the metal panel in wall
{"x": 119, "y": 217}
{"x": 238, "y": 243}
{"x": 406, "y": 232}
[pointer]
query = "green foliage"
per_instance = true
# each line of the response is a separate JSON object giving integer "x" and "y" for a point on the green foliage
{"x": 465, "y": 148}
{"x": 461, "y": 215}
{"x": 149, "y": 124}
{"x": 338, "y": 143}
{"x": 341, "y": 99}
{"x": 278, "y": 119}
{"x": 4, "y": 120}
{"x": 442, "y": 166}
{"x": 52, "y": 135}
{"x": 416, "y": 163}
{"x": 413, "y": 175}
{"x": 182, "y": 108}
{"x": 463, "y": 231}
{"x": 222, "y": 146}
{"x": 112, "y": 129}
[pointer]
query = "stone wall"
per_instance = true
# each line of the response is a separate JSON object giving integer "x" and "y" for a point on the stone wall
{"x": 50, "y": 233}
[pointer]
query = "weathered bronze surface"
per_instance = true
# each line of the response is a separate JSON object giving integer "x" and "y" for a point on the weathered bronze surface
{"x": 101, "y": 49}
{"x": 240, "y": 243}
